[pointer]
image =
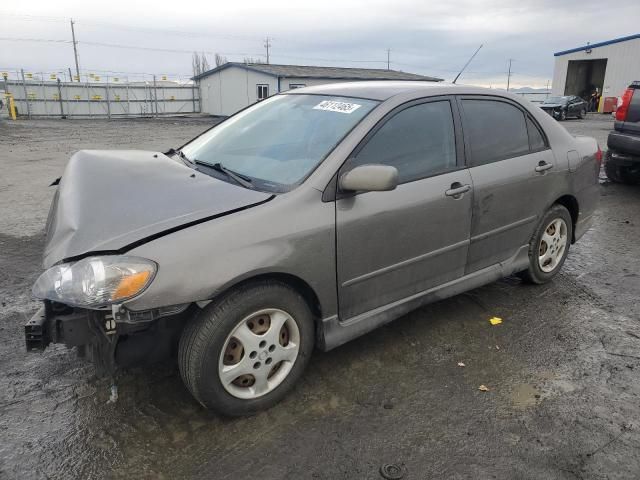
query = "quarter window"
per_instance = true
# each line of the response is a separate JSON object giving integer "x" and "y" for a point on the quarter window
{"x": 419, "y": 141}
{"x": 296, "y": 85}
{"x": 536, "y": 139}
{"x": 263, "y": 92}
{"x": 496, "y": 130}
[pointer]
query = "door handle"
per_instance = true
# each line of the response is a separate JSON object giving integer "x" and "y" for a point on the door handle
{"x": 457, "y": 190}
{"x": 543, "y": 166}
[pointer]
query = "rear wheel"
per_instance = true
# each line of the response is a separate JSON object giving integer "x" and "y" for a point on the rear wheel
{"x": 243, "y": 353}
{"x": 621, "y": 174}
{"x": 549, "y": 246}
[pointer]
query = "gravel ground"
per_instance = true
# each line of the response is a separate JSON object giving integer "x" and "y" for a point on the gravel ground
{"x": 563, "y": 368}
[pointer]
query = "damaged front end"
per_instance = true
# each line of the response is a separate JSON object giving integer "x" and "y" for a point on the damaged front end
{"x": 110, "y": 338}
{"x": 106, "y": 204}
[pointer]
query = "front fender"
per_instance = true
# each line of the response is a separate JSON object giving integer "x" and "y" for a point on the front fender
{"x": 294, "y": 234}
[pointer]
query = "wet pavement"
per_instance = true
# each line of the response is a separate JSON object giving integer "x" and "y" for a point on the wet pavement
{"x": 562, "y": 370}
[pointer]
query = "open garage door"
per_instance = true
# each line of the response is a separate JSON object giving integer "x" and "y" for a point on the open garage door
{"x": 583, "y": 76}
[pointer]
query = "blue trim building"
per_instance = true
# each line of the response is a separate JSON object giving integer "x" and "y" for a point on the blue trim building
{"x": 608, "y": 66}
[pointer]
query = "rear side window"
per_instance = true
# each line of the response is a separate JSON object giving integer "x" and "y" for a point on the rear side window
{"x": 536, "y": 139}
{"x": 419, "y": 141}
{"x": 495, "y": 130}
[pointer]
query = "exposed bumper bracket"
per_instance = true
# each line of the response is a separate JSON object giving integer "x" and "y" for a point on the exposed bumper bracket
{"x": 36, "y": 331}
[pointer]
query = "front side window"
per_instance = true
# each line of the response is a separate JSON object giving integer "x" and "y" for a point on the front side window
{"x": 279, "y": 141}
{"x": 419, "y": 141}
{"x": 263, "y": 92}
{"x": 495, "y": 130}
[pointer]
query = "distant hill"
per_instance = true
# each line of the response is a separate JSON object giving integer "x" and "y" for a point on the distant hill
{"x": 529, "y": 90}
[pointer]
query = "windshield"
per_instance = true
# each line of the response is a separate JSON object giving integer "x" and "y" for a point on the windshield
{"x": 556, "y": 100}
{"x": 279, "y": 141}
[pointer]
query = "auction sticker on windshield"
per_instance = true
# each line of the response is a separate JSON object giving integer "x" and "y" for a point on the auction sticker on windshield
{"x": 333, "y": 106}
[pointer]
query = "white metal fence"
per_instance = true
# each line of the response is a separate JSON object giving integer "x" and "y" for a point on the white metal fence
{"x": 54, "y": 98}
{"x": 534, "y": 97}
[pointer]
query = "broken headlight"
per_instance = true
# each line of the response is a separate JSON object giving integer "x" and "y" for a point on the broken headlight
{"x": 96, "y": 281}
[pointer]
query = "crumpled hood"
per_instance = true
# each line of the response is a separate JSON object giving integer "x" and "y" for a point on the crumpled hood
{"x": 111, "y": 200}
{"x": 551, "y": 105}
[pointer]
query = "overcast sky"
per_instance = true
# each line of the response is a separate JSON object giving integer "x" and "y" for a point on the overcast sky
{"x": 431, "y": 38}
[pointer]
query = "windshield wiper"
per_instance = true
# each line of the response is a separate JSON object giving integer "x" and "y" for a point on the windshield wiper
{"x": 186, "y": 159}
{"x": 238, "y": 177}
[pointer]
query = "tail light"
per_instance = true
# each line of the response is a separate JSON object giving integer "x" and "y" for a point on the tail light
{"x": 621, "y": 111}
{"x": 599, "y": 156}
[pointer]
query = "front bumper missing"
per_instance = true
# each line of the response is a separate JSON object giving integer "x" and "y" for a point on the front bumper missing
{"x": 54, "y": 323}
{"x": 108, "y": 341}
{"x": 554, "y": 113}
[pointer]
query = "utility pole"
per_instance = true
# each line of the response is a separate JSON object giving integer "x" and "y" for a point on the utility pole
{"x": 267, "y": 45}
{"x": 509, "y": 74}
{"x": 75, "y": 50}
{"x": 388, "y": 58}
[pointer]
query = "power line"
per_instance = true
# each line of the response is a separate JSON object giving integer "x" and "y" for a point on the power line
{"x": 39, "y": 40}
{"x": 166, "y": 50}
{"x": 136, "y": 29}
{"x": 114, "y": 45}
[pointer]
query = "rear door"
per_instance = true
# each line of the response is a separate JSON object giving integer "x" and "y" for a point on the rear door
{"x": 512, "y": 168}
{"x": 392, "y": 245}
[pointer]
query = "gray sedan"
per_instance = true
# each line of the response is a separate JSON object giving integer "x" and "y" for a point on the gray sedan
{"x": 302, "y": 222}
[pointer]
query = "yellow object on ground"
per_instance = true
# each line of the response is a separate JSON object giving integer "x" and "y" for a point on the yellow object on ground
{"x": 12, "y": 107}
{"x": 495, "y": 320}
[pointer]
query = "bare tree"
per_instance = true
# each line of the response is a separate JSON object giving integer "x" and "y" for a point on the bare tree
{"x": 199, "y": 63}
{"x": 220, "y": 60}
{"x": 252, "y": 60}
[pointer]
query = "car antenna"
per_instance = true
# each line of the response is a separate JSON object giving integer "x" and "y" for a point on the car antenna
{"x": 467, "y": 64}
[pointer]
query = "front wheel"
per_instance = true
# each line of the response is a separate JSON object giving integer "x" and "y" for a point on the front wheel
{"x": 582, "y": 114}
{"x": 549, "y": 246}
{"x": 563, "y": 115}
{"x": 243, "y": 353}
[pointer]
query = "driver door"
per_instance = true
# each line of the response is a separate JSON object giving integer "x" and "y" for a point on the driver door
{"x": 395, "y": 244}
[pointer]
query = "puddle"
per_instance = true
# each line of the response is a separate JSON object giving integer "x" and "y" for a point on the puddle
{"x": 524, "y": 395}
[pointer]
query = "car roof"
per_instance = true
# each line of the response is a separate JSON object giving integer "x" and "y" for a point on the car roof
{"x": 385, "y": 89}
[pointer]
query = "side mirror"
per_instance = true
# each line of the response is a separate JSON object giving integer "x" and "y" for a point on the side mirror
{"x": 369, "y": 178}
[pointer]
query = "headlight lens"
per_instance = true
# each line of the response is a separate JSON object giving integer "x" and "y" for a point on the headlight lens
{"x": 96, "y": 281}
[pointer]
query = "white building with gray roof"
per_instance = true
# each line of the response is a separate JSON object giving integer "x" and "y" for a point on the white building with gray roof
{"x": 230, "y": 87}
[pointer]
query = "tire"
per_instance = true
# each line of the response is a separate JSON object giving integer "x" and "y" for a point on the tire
{"x": 620, "y": 174}
{"x": 582, "y": 114}
{"x": 613, "y": 171}
{"x": 542, "y": 271}
{"x": 563, "y": 115}
{"x": 208, "y": 336}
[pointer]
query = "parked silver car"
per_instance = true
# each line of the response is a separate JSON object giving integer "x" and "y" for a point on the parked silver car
{"x": 305, "y": 220}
